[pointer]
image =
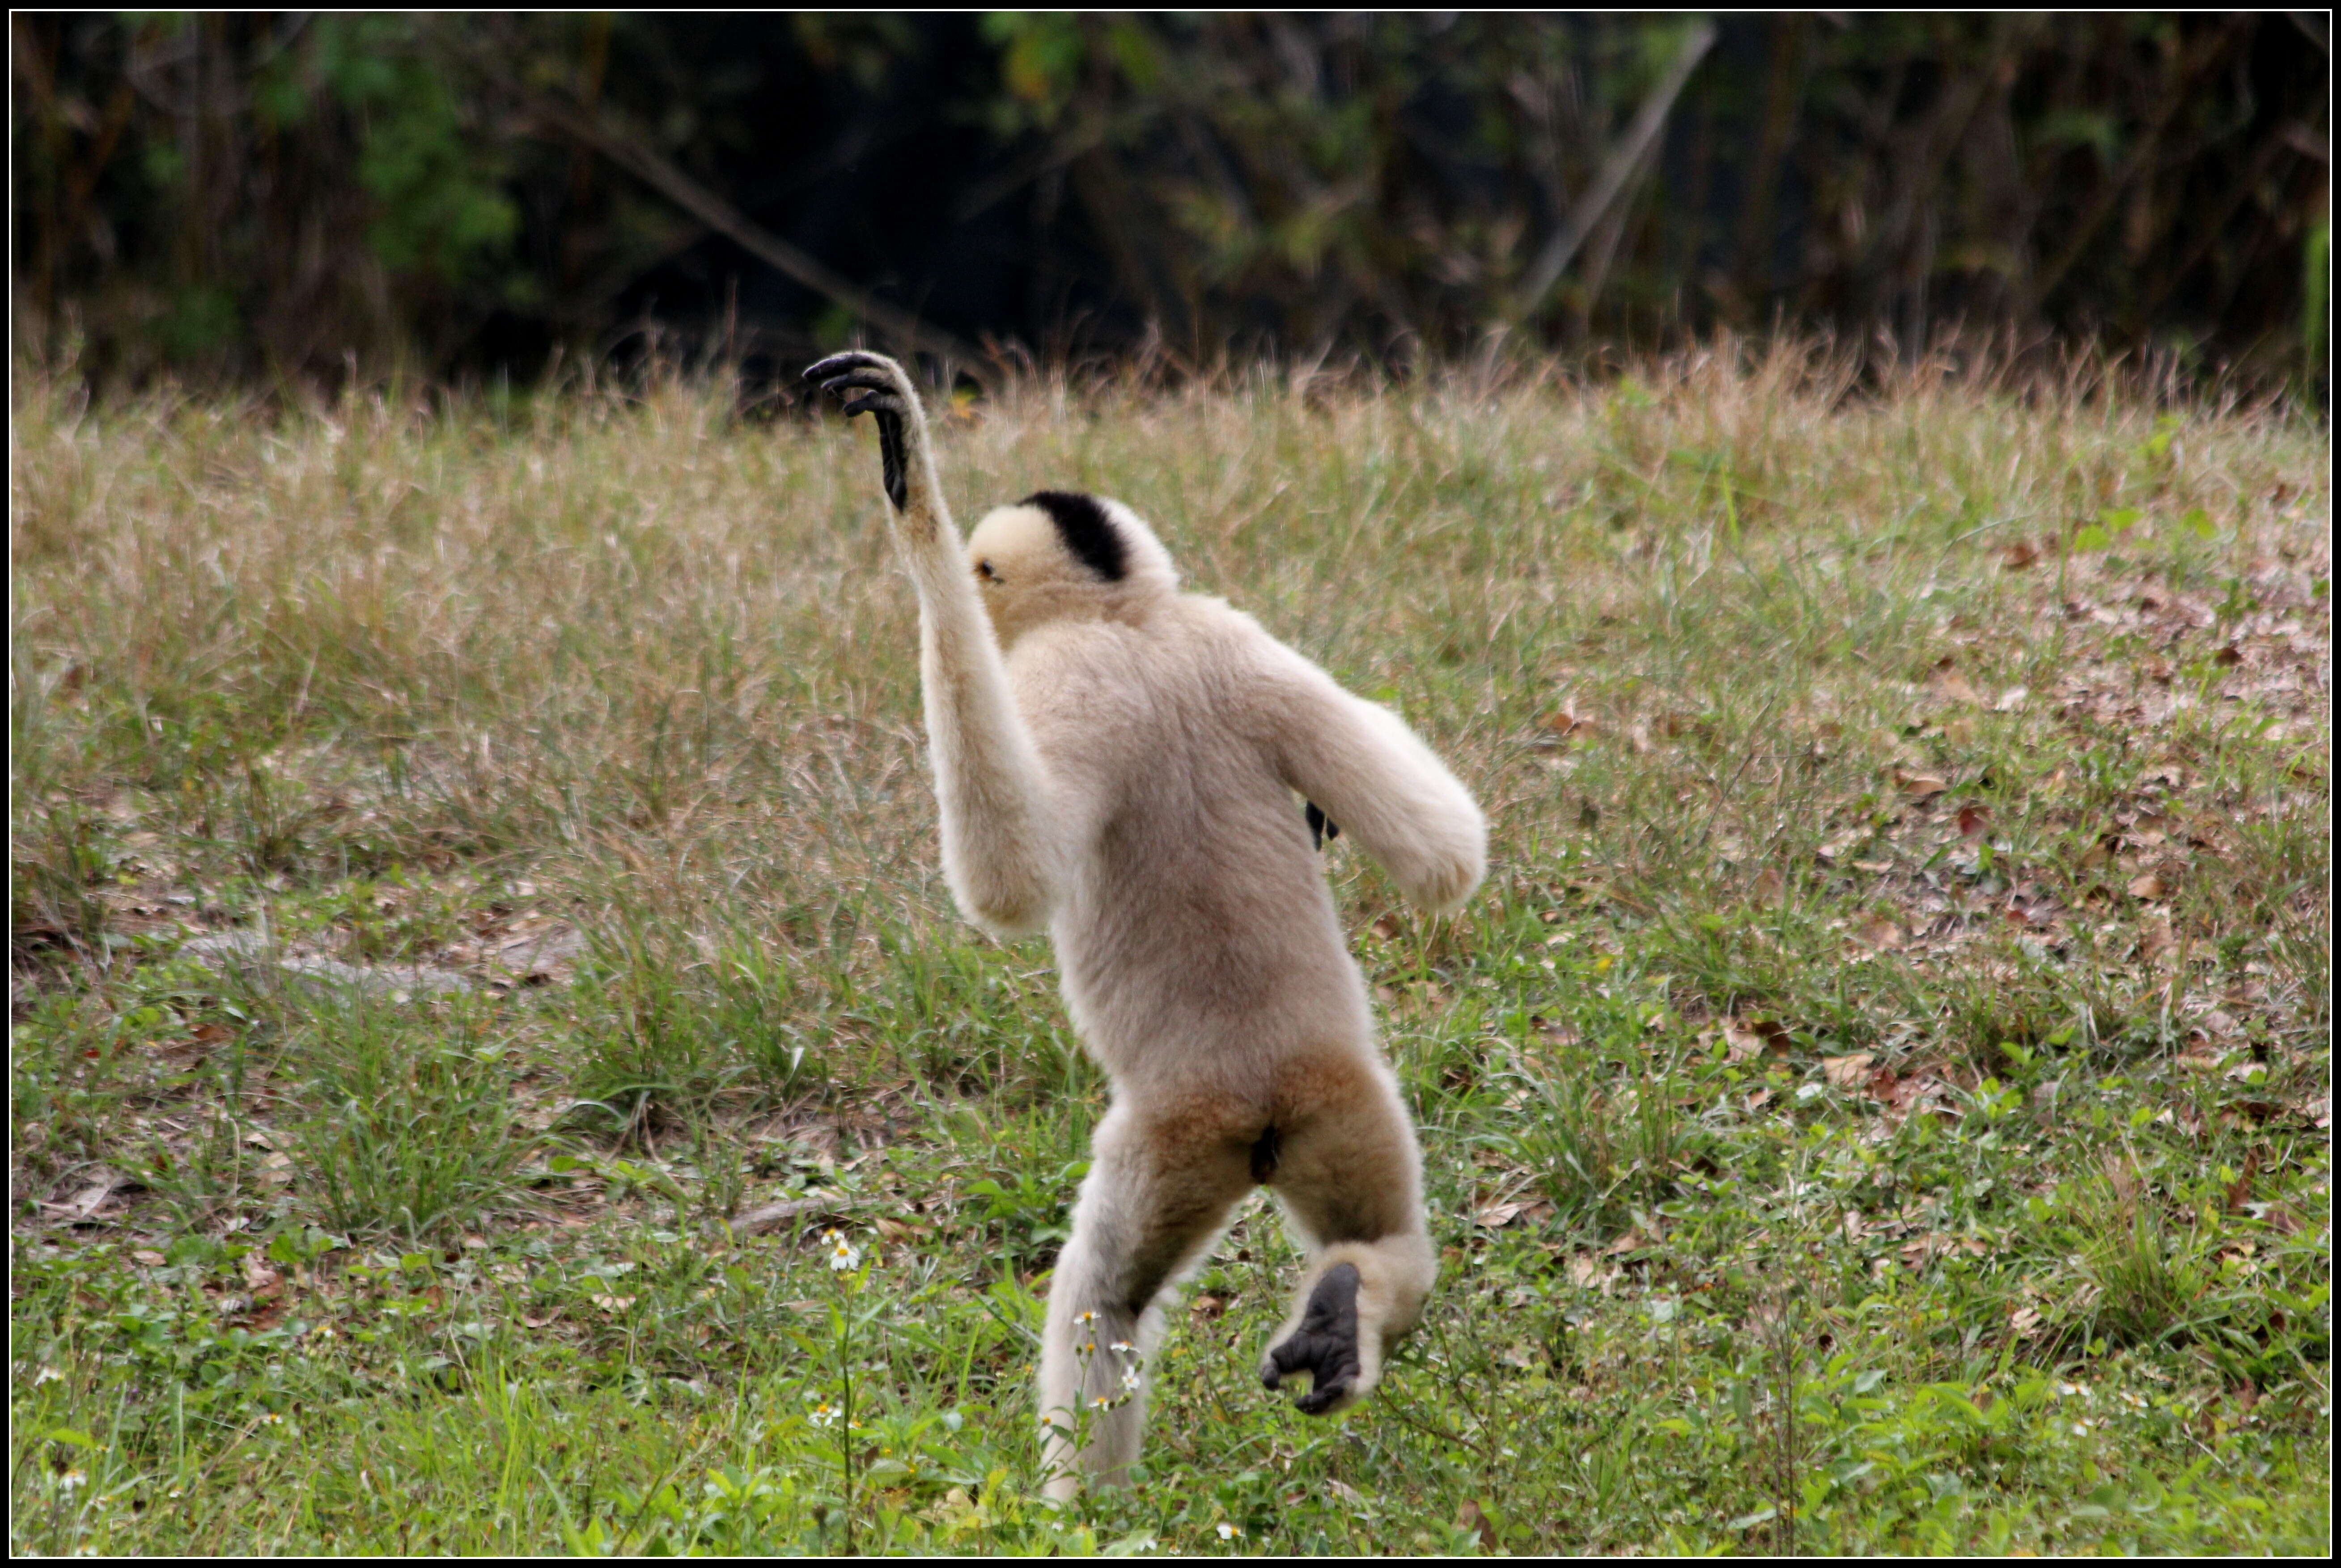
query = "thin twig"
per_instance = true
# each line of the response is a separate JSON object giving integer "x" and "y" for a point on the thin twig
{"x": 590, "y": 127}
{"x": 1623, "y": 159}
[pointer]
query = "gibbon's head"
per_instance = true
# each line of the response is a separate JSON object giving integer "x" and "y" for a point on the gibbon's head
{"x": 1057, "y": 556}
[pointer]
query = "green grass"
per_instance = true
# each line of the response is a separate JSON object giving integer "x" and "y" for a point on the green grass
{"x": 1879, "y": 1103}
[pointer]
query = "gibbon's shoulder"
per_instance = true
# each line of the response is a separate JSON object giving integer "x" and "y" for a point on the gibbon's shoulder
{"x": 1210, "y": 619}
{"x": 1194, "y": 646}
{"x": 1243, "y": 647}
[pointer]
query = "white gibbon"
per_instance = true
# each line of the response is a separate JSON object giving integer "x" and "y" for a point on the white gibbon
{"x": 1116, "y": 762}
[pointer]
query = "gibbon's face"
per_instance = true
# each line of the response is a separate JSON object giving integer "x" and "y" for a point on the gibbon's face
{"x": 1055, "y": 556}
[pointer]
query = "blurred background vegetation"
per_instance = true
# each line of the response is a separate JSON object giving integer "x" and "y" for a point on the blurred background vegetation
{"x": 299, "y": 197}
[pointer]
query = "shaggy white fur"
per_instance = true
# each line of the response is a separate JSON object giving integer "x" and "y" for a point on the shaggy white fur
{"x": 1117, "y": 760}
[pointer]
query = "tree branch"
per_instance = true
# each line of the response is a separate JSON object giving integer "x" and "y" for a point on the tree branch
{"x": 589, "y": 126}
{"x": 1563, "y": 246}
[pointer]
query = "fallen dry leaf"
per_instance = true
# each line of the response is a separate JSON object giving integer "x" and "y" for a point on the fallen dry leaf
{"x": 1472, "y": 1517}
{"x": 1918, "y": 786}
{"x": 2010, "y": 701}
{"x": 1768, "y": 887}
{"x": 1973, "y": 820}
{"x": 2020, "y": 555}
{"x": 1847, "y": 1072}
{"x": 1880, "y": 933}
{"x": 1574, "y": 726}
{"x": 2150, "y": 887}
{"x": 613, "y": 1302}
{"x": 150, "y": 1258}
{"x": 1945, "y": 681}
{"x": 1631, "y": 1242}
{"x": 1588, "y": 1272}
{"x": 1745, "y": 1037}
{"x": 1495, "y": 1215}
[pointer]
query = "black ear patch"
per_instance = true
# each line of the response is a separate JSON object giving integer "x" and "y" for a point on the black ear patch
{"x": 1086, "y": 530}
{"x": 1320, "y": 826}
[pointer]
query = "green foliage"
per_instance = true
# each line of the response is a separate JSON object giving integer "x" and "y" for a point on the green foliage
{"x": 437, "y": 185}
{"x": 268, "y": 194}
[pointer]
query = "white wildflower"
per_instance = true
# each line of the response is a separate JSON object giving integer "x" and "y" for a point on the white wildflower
{"x": 843, "y": 1254}
{"x": 1229, "y": 1532}
{"x": 47, "y": 1374}
{"x": 72, "y": 1480}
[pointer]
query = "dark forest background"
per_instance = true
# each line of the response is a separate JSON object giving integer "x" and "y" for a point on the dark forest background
{"x": 297, "y": 197}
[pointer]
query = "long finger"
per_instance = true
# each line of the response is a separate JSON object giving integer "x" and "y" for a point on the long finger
{"x": 874, "y": 403}
{"x": 853, "y": 358}
{"x": 870, "y": 380}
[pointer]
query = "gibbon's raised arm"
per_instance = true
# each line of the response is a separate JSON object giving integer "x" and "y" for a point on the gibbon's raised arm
{"x": 1003, "y": 862}
{"x": 1358, "y": 763}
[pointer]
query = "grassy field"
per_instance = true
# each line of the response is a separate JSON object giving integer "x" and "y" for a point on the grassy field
{"x": 480, "y": 964}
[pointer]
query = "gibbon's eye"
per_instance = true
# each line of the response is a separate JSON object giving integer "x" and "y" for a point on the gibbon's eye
{"x": 983, "y": 569}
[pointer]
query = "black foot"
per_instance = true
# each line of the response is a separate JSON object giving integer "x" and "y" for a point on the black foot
{"x": 1325, "y": 1346}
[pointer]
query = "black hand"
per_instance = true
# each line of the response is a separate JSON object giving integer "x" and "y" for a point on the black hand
{"x": 883, "y": 398}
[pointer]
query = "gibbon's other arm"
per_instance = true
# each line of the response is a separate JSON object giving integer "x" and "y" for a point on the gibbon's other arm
{"x": 1000, "y": 856}
{"x": 1360, "y": 766}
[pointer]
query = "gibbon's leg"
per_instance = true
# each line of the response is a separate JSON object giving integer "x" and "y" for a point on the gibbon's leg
{"x": 1350, "y": 1179}
{"x": 1002, "y": 855}
{"x": 1161, "y": 1181}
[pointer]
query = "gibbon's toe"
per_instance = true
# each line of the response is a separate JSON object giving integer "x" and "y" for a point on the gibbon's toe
{"x": 1325, "y": 1346}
